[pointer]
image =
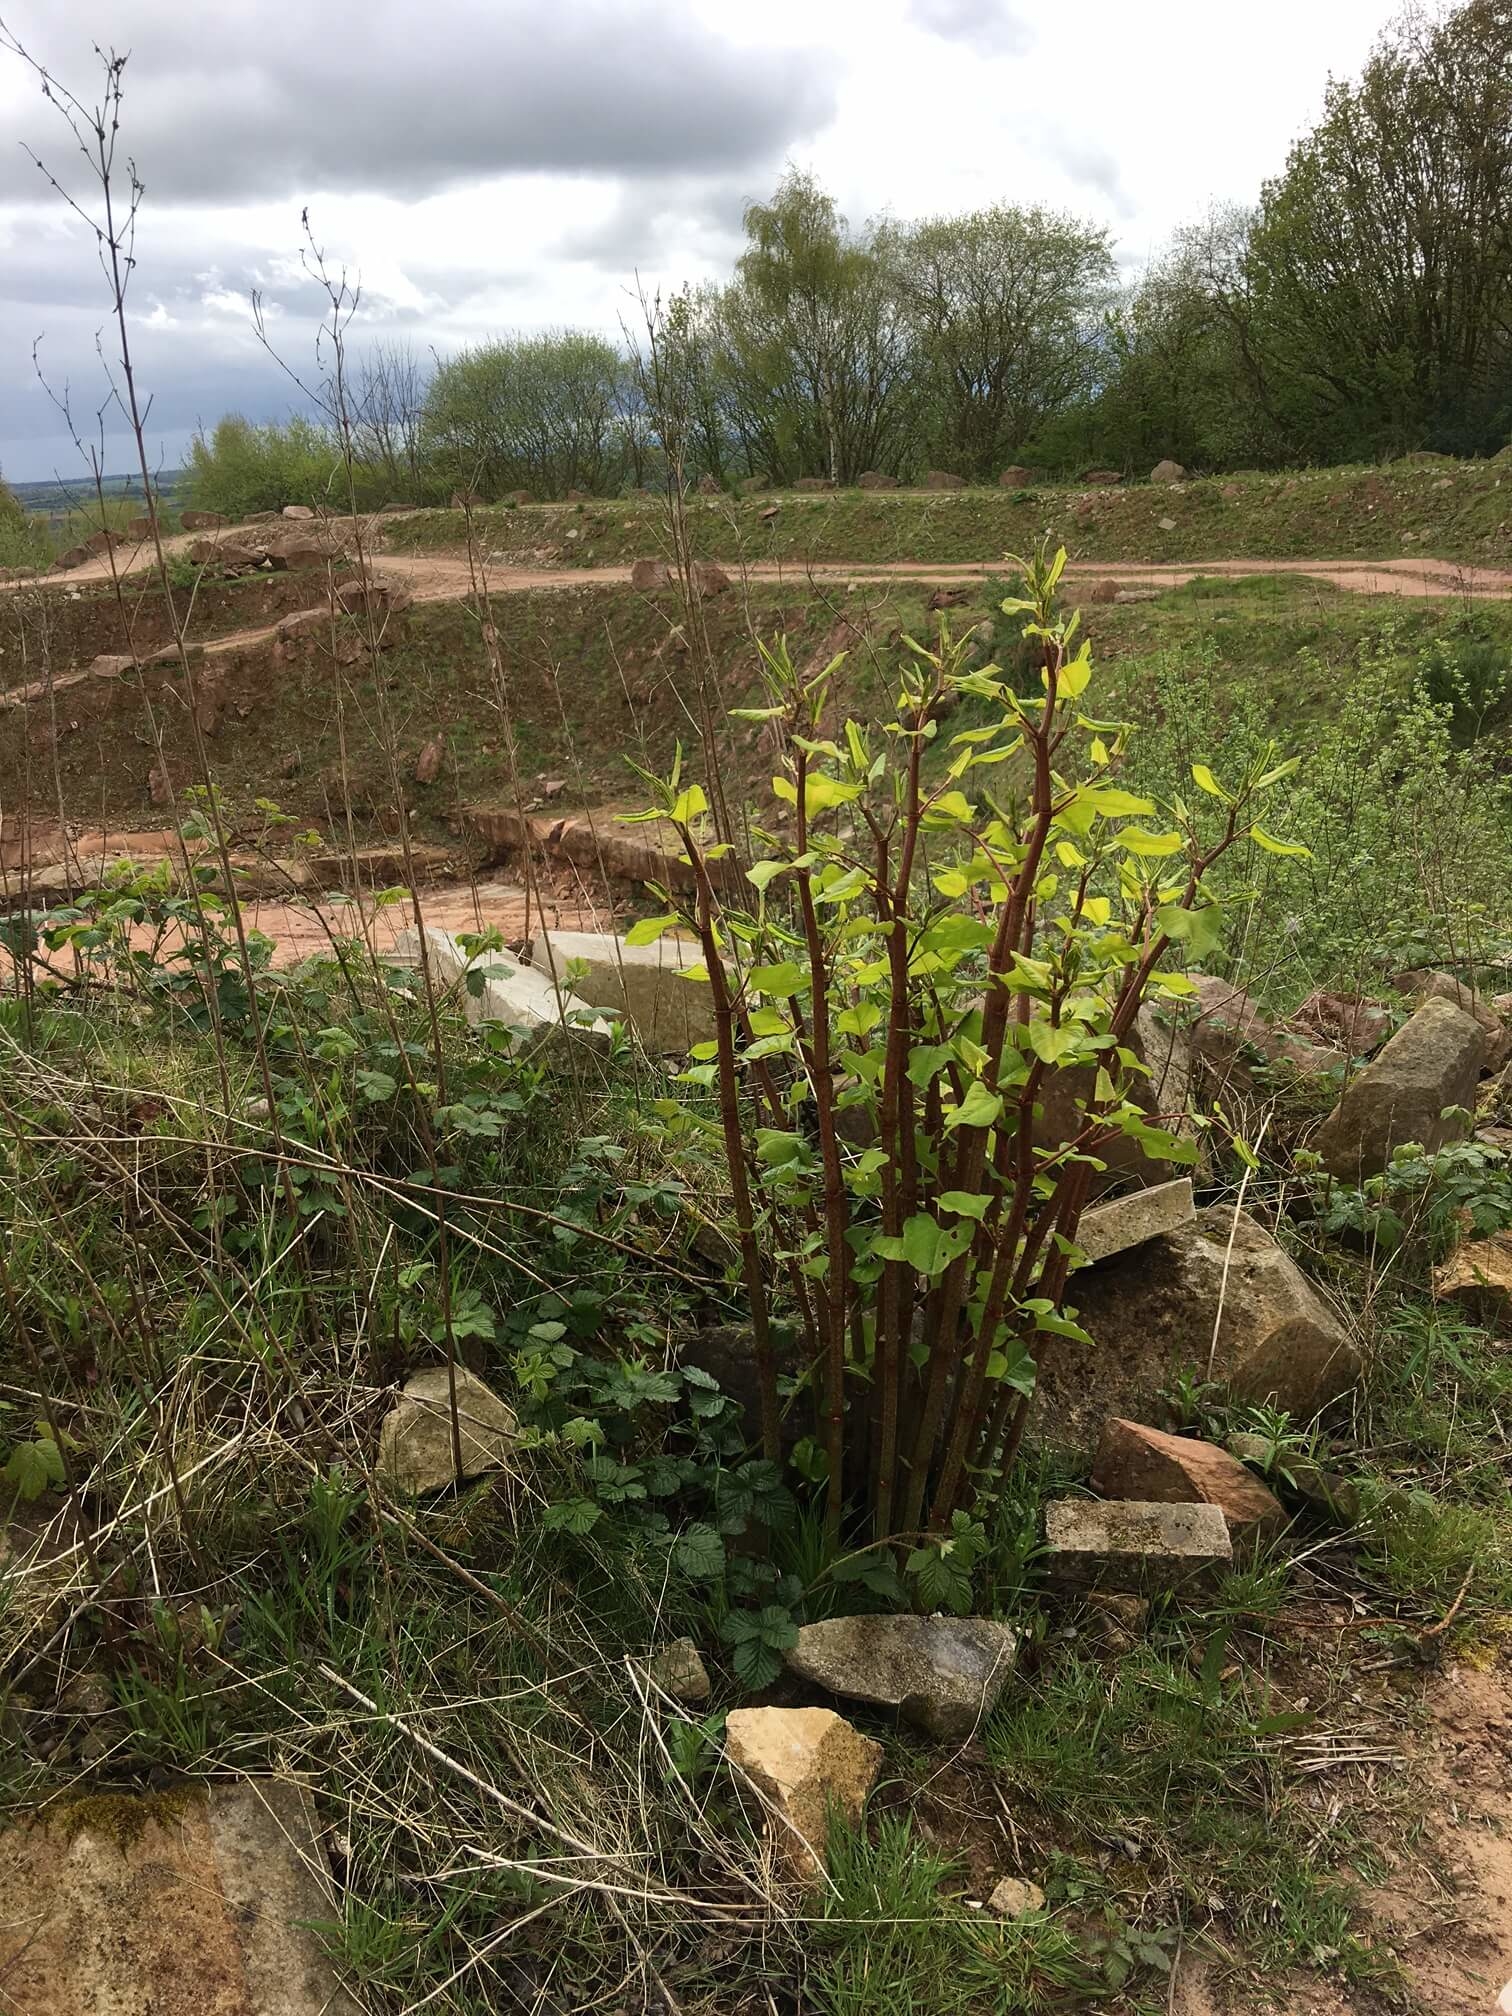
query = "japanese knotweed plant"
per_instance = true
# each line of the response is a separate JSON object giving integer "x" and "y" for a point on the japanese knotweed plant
{"x": 940, "y": 949}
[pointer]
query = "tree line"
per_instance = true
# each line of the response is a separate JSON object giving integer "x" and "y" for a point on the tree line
{"x": 1361, "y": 308}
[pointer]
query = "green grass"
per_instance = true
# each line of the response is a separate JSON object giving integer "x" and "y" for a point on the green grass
{"x": 1352, "y": 513}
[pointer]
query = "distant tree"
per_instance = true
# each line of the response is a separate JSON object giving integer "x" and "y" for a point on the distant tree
{"x": 1008, "y": 306}
{"x": 542, "y": 413}
{"x": 1379, "y": 268}
{"x": 387, "y": 415}
{"x": 815, "y": 350}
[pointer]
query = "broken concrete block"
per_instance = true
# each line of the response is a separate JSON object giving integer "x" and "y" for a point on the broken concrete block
{"x": 1141, "y": 1463}
{"x": 1152, "y": 1313}
{"x": 1012, "y": 1897}
{"x": 1139, "y": 1548}
{"x": 523, "y": 998}
{"x": 678, "y": 1669}
{"x": 638, "y": 984}
{"x": 1434, "y": 1061}
{"x": 806, "y": 1762}
{"x": 181, "y": 1900}
{"x": 415, "y": 1450}
{"x": 1126, "y": 1222}
{"x": 1478, "y": 1276}
{"x": 941, "y": 1673}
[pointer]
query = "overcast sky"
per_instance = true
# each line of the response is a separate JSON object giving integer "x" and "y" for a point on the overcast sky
{"x": 486, "y": 165}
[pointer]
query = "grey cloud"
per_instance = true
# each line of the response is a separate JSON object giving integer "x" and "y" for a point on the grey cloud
{"x": 271, "y": 98}
{"x": 646, "y": 217}
{"x": 1087, "y": 162}
{"x": 996, "y": 26}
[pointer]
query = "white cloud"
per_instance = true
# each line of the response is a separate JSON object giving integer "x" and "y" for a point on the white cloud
{"x": 500, "y": 164}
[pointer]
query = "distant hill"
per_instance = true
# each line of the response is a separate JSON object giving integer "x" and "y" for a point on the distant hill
{"x": 56, "y": 499}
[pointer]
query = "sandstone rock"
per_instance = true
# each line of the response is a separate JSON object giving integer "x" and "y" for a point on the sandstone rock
{"x": 678, "y": 1669}
{"x": 1433, "y": 1062}
{"x": 709, "y": 486}
{"x": 638, "y": 984}
{"x": 76, "y": 556}
{"x": 415, "y": 1451}
{"x": 1230, "y": 1024}
{"x": 1152, "y": 1312}
{"x": 517, "y": 497}
{"x": 112, "y": 665}
{"x": 202, "y": 521}
{"x": 1102, "y": 477}
{"x": 1012, "y": 1897}
{"x": 1349, "y": 1022}
{"x": 748, "y": 486}
{"x": 943, "y": 479}
{"x": 874, "y": 479}
{"x": 430, "y": 761}
{"x": 710, "y": 579}
{"x": 1099, "y": 591}
{"x": 1115, "y": 1623}
{"x": 300, "y": 511}
{"x": 815, "y": 483}
{"x": 941, "y": 1673}
{"x": 1016, "y": 477}
{"x": 1168, "y": 524}
{"x": 1138, "y": 1462}
{"x": 1168, "y": 472}
{"x": 104, "y": 541}
{"x": 648, "y": 574}
{"x": 159, "y": 785}
{"x": 167, "y": 1903}
{"x": 772, "y": 511}
{"x": 1478, "y": 1275}
{"x": 1142, "y": 1548}
{"x": 1427, "y": 985}
{"x": 806, "y": 1762}
{"x": 521, "y": 997}
{"x": 1107, "y": 1230}
{"x": 259, "y": 517}
{"x": 139, "y": 528}
{"x": 575, "y": 496}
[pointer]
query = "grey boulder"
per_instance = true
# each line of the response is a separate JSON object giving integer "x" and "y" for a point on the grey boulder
{"x": 1433, "y": 1062}
{"x": 941, "y": 1673}
{"x": 1155, "y": 1311}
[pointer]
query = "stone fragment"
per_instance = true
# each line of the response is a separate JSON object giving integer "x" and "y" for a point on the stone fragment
{"x": 87, "y": 1694}
{"x": 710, "y": 579}
{"x": 104, "y": 541}
{"x": 1140, "y": 1548}
{"x": 575, "y": 496}
{"x": 139, "y": 528}
{"x": 415, "y": 1452}
{"x": 638, "y": 984}
{"x": 1115, "y": 1622}
{"x": 1168, "y": 472}
{"x": 944, "y": 479}
{"x": 202, "y": 521}
{"x": 941, "y": 1673}
{"x": 184, "y": 1902}
{"x": 649, "y": 574}
{"x": 1016, "y": 477}
{"x": 111, "y": 665}
{"x": 1102, "y": 477}
{"x": 297, "y": 511}
{"x": 76, "y": 556}
{"x": 1230, "y": 1025}
{"x": 807, "y": 1763}
{"x": 1478, "y": 1276}
{"x": 815, "y": 483}
{"x": 709, "y": 486}
{"x": 1168, "y": 524}
{"x": 430, "y": 761}
{"x": 1137, "y": 1462}
{"x": 1429, "y": 985}
{"x": 522, "y": 997}
{"x": 678, "y": 1669}
{"x": 1123, "y": 1223}
{"x": 1012, "y": 1897}
{"x": 1434, "y": 1061}
{"x": 518, "y": 497}
{"x": 1152, "y": 1312}
{"x": 1350, "y": 1022}
{"x": 1164, "y": 1093}
{"x": 874, "y": 479}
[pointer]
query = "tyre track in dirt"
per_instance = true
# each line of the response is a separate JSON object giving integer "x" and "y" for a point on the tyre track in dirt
{"x": 432, "y": 578}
